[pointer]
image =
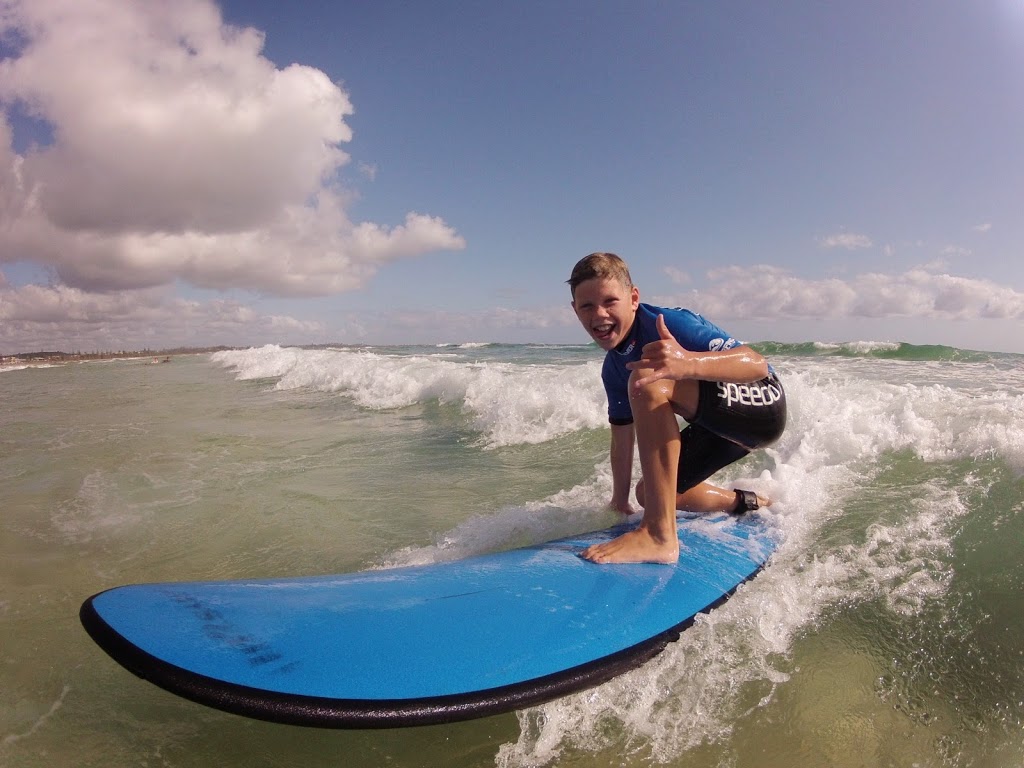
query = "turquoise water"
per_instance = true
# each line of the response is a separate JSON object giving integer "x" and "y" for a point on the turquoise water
{"x": 887, "y": 630}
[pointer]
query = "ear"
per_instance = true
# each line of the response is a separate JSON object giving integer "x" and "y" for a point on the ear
{"x": 634, "y": 297}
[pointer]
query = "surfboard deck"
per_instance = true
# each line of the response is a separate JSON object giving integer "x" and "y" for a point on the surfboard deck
{"x": 423, "y": 644}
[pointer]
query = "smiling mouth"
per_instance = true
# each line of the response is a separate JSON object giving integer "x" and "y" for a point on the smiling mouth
{"x": 604, "y": 331}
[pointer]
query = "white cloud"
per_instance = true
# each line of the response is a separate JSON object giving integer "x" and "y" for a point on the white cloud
{"x": 368, "y": 171}
{"x": 983, "y": 228}
{"x": 955, "y": 250}
{"x": 497, "y": 323}
{"x": 180, "y": 152}
{"x": 918, "y": 293}
{"x": 59, "y": 317}
{"x": 34, "y": 318}
{"x": 847, "y": 241}
{"x": 677, "y": 276}
{"x": 935, "y": 265}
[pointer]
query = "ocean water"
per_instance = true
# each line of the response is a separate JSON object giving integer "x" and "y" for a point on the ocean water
{"x": 888, "y": 629}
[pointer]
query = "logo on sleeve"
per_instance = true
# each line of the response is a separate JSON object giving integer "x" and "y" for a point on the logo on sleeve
{"x": 720, "y": 345}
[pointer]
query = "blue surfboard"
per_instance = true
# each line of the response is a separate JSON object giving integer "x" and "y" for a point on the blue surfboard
{"x": 423, "y": 644}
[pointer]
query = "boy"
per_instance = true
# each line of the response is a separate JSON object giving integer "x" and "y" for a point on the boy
{"x": 659, "y": 363}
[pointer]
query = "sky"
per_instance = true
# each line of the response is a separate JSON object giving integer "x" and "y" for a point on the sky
{"x": 248, "y": 172}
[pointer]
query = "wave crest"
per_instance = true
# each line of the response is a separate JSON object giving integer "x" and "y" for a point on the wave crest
{"x": 508, "y": 403}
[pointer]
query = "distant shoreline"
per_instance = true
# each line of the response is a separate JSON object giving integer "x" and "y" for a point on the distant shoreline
{"x": 49, "y": 358}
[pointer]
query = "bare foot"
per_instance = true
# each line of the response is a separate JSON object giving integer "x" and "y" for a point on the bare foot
{"x": 636, "y": 546}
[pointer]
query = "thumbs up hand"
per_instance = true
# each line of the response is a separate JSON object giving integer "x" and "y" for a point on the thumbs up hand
{"x": 662, "y": 359}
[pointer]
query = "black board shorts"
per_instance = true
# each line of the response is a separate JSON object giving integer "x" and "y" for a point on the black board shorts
{"x": 731, "y": 421}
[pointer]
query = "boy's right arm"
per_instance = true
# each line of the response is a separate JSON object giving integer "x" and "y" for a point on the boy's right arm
{"x": 621, "y": 454}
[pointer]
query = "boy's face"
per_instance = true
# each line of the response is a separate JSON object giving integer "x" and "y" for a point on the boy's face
{"x": 606, "y": 308}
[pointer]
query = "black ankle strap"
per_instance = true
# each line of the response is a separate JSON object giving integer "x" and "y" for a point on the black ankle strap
{"x": 746, "y": 501}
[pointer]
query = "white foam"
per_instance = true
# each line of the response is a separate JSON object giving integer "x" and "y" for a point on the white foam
{"x": 98, "y": 508}
{"x": 694, "y": 692}
{"x": 867, "y": 347}
{"x": 578, "y": 509}
{"x": 41, "y": 721}
{"x": 508, "y": 404}
{"x": 837, "y": 414}
{"x": 30, "y": 365}
{"x": 857, "y": 347}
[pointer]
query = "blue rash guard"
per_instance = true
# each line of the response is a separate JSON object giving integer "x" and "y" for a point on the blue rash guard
{"x": 692, "y": 331}
{"x": 731, "y": 419}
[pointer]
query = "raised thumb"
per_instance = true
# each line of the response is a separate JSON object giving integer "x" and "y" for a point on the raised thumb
{"x": 663, "y": 329}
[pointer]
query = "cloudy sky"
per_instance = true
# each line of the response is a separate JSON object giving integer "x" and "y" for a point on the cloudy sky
{"x": 185, "y": 172}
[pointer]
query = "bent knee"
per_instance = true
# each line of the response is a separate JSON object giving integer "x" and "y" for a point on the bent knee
{"x": 684, "y": 395}
{"x": 651, "y": 392}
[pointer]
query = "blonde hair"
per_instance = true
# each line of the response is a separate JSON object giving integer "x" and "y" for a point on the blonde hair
{"x": 601, "y": 266}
